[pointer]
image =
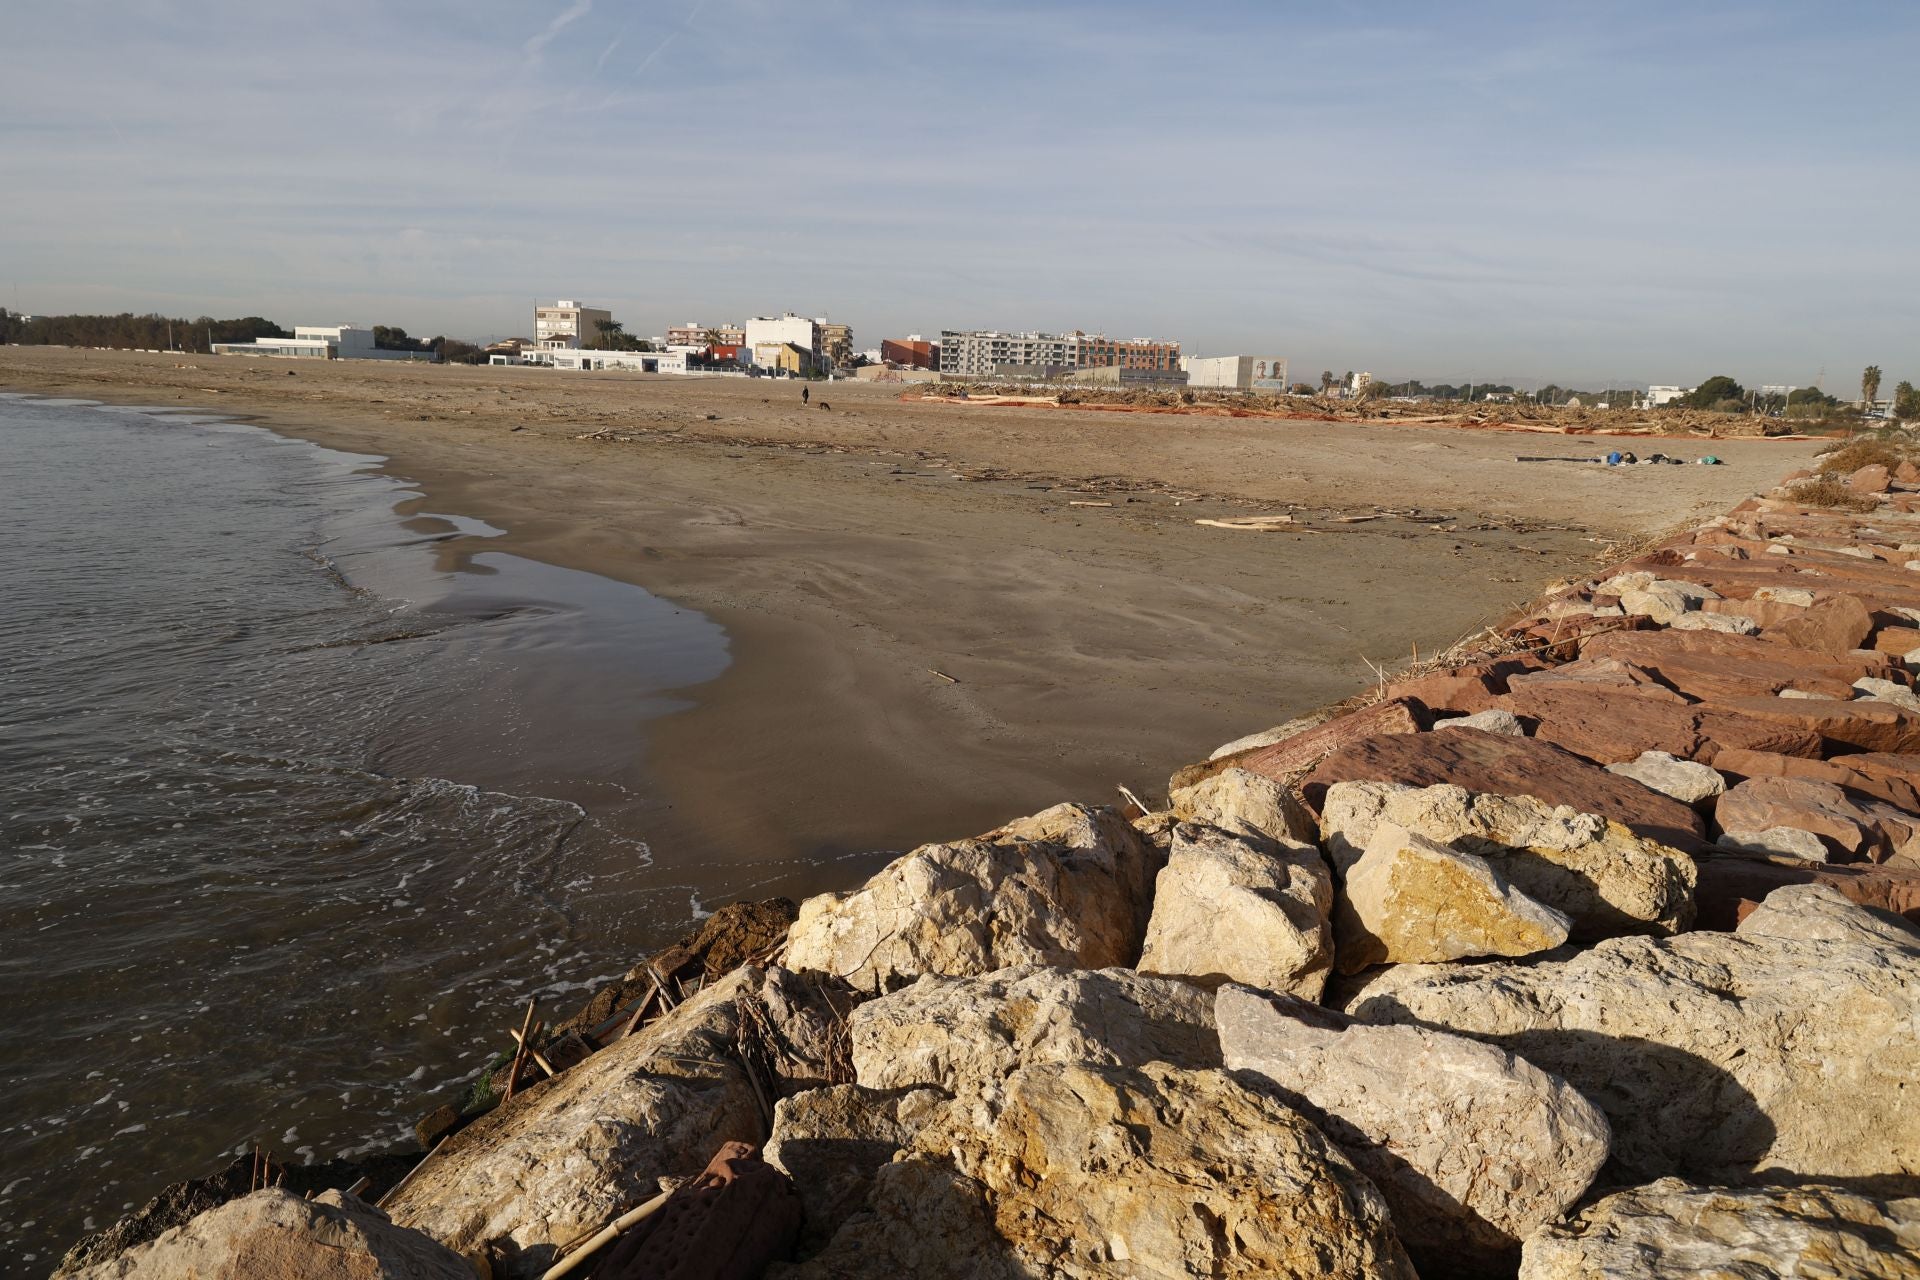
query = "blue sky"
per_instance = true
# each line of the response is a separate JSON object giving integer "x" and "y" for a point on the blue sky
{"x": 1586, "y": 193}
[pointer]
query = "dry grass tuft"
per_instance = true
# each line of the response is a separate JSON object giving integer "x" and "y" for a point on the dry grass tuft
{"x": 1831, "y": 494}
{"x": 1849, "y": 458}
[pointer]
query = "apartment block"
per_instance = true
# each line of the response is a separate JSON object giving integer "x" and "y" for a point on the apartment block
{"x": 980, "y": 353}
{"x": 836, "y": 341}
{"x": 695, "y": 334}
{"x": 567, "y": 325}
{"x": 1097, "y": 351}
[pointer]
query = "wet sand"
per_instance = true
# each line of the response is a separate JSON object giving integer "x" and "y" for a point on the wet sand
{"x": 1088, "y": 645}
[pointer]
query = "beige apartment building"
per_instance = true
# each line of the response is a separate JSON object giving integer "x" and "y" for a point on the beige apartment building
{"x": 566, "y": 325}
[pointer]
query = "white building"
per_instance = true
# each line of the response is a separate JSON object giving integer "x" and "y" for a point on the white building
{"x": 319, "y": 342}
{"x": 567, "y": 325}
{"x": 588, "y": 361}
{"x": 979, "y": 353}
{"x": 1238, "y": 373}
{"x": 787, "y": 328}
{"x": 1657, "y": 396}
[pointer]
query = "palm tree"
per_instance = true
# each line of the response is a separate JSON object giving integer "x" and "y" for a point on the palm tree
{"x": 1326, "y": 381}
{"x": 1870, "y": 386}
{"x": 611, "y": 334}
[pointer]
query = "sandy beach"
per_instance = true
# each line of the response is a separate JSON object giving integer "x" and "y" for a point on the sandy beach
{"x": 920, "y": 652}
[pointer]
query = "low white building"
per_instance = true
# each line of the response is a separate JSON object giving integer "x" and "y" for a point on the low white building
{"x": 587, "y": 361}
{"x": 319, "y": 342}
{"x": 1657, "y": 396}
{"x": 1236, "y": 373}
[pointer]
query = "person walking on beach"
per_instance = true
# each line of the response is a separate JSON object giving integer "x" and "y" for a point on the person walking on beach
{"x": 804, "y": 394}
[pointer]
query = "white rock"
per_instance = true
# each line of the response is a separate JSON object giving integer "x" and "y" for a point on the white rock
{"x": 1687, "y": 781}
{"x": 1659, "y": 601}
{"x": 1473, "y": 1147}
{"x": 1802, "y": 693}
{"x": 1494, "y": 720}
{"x": 1069, "y": 886}
{"x": 333, "y": 1236}
{"x": 1670, "y": 1230}
{"x": 569, "y": 1155}
{"x": 966, "y": 1035}
{"x": 1267, "y": 737}
{"x": 1411, "y": 900}
{"x": 1605, "y": 877}
{"x": 1785, "y": 595}
{"x": 1888, "y": 691}
{"x": 1791, "y": 842}
{"x": 1244, "y": 801}
{"x": 1082, "y": 1171}
{"x": 1249, "y": 909}
{"x": 1735, "y": 624}
{"x": 1786, "y": 1046}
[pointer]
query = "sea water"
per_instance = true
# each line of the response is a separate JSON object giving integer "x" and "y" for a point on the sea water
{"x": 303, "y": 791}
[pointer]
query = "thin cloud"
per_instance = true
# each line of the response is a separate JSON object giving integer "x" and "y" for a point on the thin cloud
{"x": 572, "y": 14}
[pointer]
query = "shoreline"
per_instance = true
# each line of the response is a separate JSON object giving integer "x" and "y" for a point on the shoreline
{"x": 1091, "y": 646}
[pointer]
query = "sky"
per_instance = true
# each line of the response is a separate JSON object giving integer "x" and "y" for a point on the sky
{"x": 1583, "y": 193}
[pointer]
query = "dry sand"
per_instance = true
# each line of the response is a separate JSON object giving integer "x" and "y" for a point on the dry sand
{"x": 1092, "y": 645}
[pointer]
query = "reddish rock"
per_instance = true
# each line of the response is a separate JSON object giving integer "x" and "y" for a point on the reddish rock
{"x": 1861, "y": 726}
{"x": 1896, "y": 640}
{"x": 1597, "y": 673}
{"x": 1836, "y": 624}
{"x": 1890, "y": 766}
{"x": 1681, "y": 657}
{"x": 1285, "y": 760}
{"x": 1765, "y": 613}
{"x": 1907, "y": 473}
{"x": 1727, "y": 881}
{"x": 1896, "y": 788}
{"x": 1612, "y": 726}
{"x": 1872, "y": 478}
{"x": 1467, "y": 689}
{"x": 1509, "y": 766}
{"x": 1854, "y": 828}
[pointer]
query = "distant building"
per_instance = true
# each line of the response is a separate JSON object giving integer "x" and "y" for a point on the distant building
{"x": 567, "y": 325}
{"x": 1657, "y": 396}
{"x": 1097, "y": 351}
{"x": 985, "y": 353}
{"x": 1361, "y": 381}
{"x": 836, "y": 342}
{"x": 1115, "y": 375}
{"x": 584, "y": 361}
{"x": 789, "y": 358}
{"x": 319, "y": 342}
{"x": 1237, "y": 373}
{"x": 695, "y": 334}
{"x": 912, "y": 352}
{"x": 784, "y": 329}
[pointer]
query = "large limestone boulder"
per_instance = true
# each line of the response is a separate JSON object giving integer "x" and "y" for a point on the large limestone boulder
{"x": 1411, "y": 900}
{"x": 1249, "y": 908}
{"x": 1078, "y": 1170}
{"x": 1787, "y": 1046}
{"x": 1070, "y": 886}
{"x": 1474, "y": 1148}
{"x": 1243, "y": 801}
{"x": 1601, "y": 874}
{"x": 966, "y": 1035}
{"x": 333, "y": 1236}
{"x": 1669, "y": 1230}
{"x": 569, "y": 1155}
{"x": 833, "y": 1141}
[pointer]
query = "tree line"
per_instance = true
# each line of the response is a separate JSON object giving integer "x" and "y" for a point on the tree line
{"x": 129, "y": 331}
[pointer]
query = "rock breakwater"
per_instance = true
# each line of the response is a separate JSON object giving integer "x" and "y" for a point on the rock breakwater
{"x": 1589, "y": 951}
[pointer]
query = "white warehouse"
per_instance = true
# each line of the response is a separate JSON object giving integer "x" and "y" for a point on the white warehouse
{"x": 319, "y": 342}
